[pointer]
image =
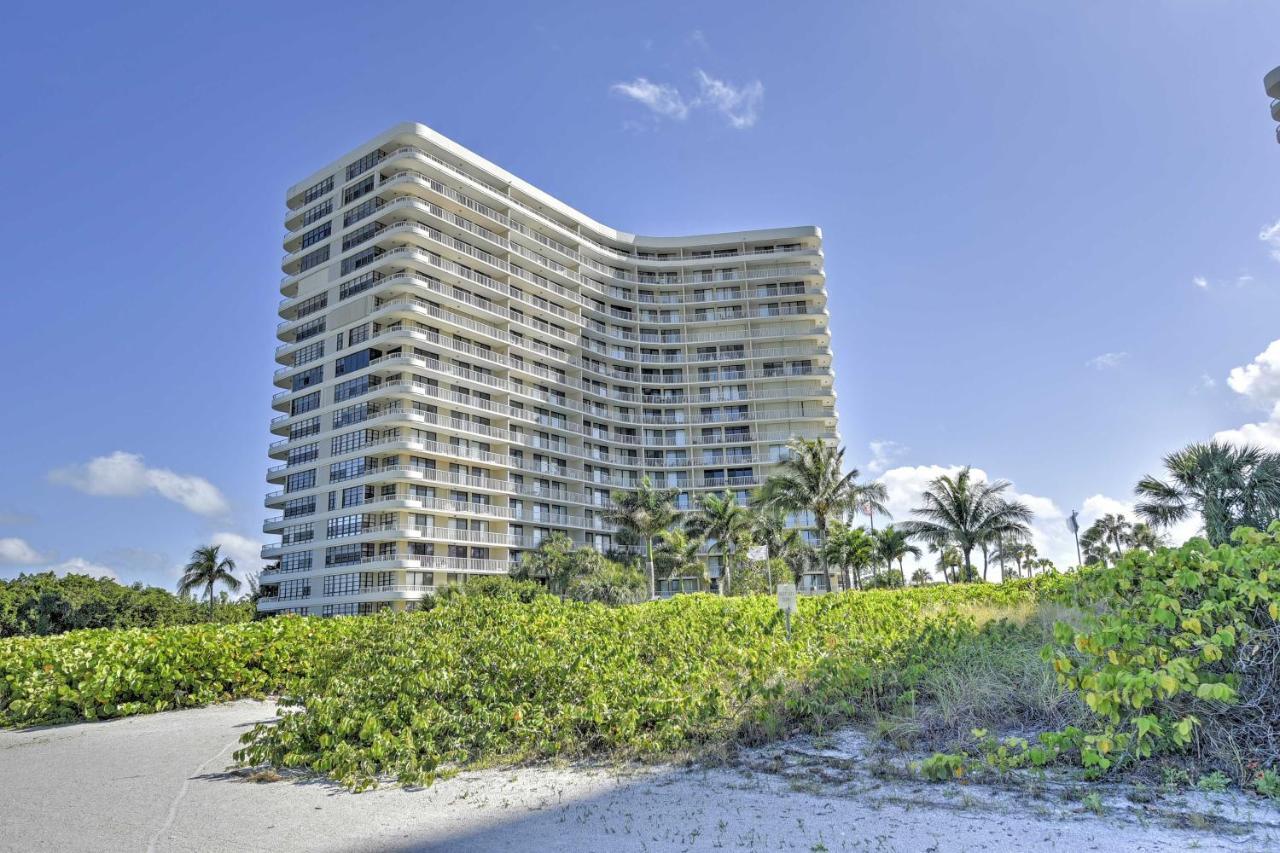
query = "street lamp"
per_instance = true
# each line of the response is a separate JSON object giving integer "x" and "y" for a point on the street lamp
{"x": 1074, "y": 526}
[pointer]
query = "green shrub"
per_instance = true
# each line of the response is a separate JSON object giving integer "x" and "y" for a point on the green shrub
{"x": 1179, "y": 637}
{"x": 103, "y": 673}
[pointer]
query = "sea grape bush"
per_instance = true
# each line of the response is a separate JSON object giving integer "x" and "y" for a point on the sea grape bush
{"x": 96, "y": 674}
{"x": 482, "y": 678}
{"x": 1178, "y": 654}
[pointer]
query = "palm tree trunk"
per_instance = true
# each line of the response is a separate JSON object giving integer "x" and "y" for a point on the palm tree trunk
{"x": 210, "y": 601}
{"x": 653, "y": 582}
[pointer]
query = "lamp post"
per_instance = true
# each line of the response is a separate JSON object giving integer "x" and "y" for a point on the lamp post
{"x": 1074, "y": 526}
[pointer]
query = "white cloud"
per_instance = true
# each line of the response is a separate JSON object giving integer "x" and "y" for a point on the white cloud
{"x": 1270, "y": 234}
{"x": 1259, "y": 383}
{"x": 699, "y": 39}
{"x": 1265, "y": 434}
{"x": 662, "y": 99}
{"x": 1201, "y": 282}
{"x": 884, "y": 453}
{"x": 125, "y": 475}
{"x": 1259, "y": 380}
{"x": 246, "y": 552}
{"x": 16, "y": 552}
{"x": 81, "y": 566}
{"x": 1107, "y": 361}
{"x": 739, "y": 105}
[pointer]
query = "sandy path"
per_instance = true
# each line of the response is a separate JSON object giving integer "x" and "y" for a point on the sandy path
{"x": 157, "y": 782}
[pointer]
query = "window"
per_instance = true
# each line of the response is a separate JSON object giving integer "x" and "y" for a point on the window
{"x": 309, "y": 330}
{"x": 302, "y": 429}
{"x": 361, "y": 210}
{"x": 296, "y": 534}
{"x": 319, "y": 256}
{"x": 316, "y": 190}
{"x": 305, "y": 403}
{"x": 345, "y": 525}
{"x": 307, "y": 378}
{"x": 300, "y": 480}
{"x": 295, "y": 561}
{"x": 353, "y": 388}
{"x": 352, "y": 415}
{"x": 359, "y": 284}
{"x": 346, "y": 555}
{"x": 349, "y": 609}
{"x": 357, "y": 189}
{"x": 356, "y": 495}
{"x": 352, "y": 441}
{"x": 305, "y": 453}
{"x": 308, "y": 353}
{"x": 312, "y": 305}
{"x": 300, "y": 588}
{"x": 362, "y": 258}
{"x": 339, "y": 471}
{"x": 347, "y": 584}
{"x": 364, "y": 232}
{"x": 315, "y": 235}
{"x": 353, "y": 362}
{"x": 365, "y": 163}
{"x": 296, "y": 507}
{"x": 318, "y": 212}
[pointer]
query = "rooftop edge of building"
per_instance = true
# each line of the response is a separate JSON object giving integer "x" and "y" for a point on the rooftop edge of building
{"x": 406, "y": 132}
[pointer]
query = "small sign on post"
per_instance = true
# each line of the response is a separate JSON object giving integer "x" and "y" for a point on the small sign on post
{"x": 788, "y": 603}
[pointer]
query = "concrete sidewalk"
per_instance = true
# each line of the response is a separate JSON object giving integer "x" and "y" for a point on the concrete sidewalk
{"x": 157, "y": 782}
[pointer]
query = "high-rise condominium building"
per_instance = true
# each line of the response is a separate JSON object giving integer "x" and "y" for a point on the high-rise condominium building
{"x": 468, "y": 366}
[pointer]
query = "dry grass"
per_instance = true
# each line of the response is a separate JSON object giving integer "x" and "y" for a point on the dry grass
{"x": 996, "y": 680}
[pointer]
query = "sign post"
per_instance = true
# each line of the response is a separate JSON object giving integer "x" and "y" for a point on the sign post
{"x": 787, "y": 603}
{"x": 758, "y": 554}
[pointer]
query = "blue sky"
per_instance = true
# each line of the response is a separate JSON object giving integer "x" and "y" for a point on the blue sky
{"x": 1045, "y": 223}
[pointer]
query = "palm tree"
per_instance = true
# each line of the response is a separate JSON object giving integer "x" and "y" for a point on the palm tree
{"x": 1226, "y": 485}
{"x": 769, "y": 528}
{"x": 728, "y": 523}
{"x": 1143, "y": 536}
{"x": 1116, "y": 529}
{"x": 679, "y": 555}
{"x": 1095, "y": 547}
{"x": 966, "y": 513}
{"x": 852, "y": 549}
{"x": 949, "y": 561}
{"x": 809, "y": 479}
{"x": 920, "y": 576}
{"x": 892, "y": 544}
{"x": 644, "y": 513}
{"x": 206, "y": 568}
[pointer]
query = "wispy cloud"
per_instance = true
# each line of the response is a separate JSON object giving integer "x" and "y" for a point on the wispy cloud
{"x": 661, "y": 99}
{"x": 883, "y": 454}
{"x": 1270, "y": 234}
{"x": 1107, "y": 361}
{"x": 699, "y": 39}
{"x": 739, "y": 106}
{"x": 1201, "y": 282}
{"x": 124, "y": 474}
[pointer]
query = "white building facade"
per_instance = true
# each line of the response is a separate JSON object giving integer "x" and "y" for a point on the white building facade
{"x": 468, "y": 365}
